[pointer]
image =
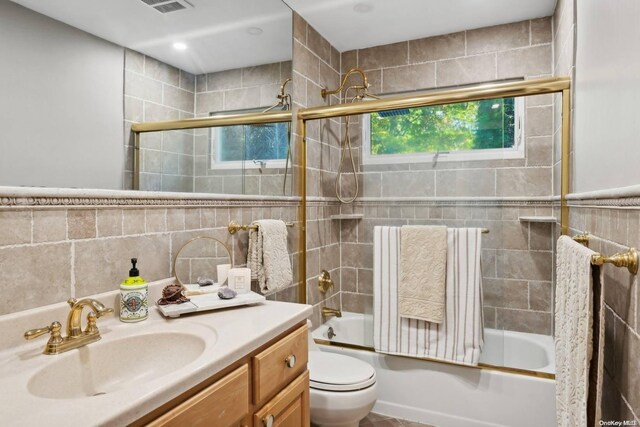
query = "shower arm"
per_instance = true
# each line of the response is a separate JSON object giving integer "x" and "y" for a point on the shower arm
{"x": 364, "y": 86}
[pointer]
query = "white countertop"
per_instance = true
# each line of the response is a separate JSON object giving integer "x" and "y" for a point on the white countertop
{"x": 231, "y": 334}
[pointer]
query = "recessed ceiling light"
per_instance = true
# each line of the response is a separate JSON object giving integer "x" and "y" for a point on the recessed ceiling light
{"x": 495, "y": 106}
{"x": 254, "y": 31}
{"x": 179, "y": 46}
{"x": 363, "y": 7}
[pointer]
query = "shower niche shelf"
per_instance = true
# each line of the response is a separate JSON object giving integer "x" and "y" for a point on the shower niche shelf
{"x": 537, "y": 219}
{"x": 347, "y": 216}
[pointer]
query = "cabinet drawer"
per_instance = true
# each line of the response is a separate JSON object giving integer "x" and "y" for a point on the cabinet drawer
{"x": 289, "y": 408}
{"x": 274, "y": 367}
{"x": 224, "y": 403}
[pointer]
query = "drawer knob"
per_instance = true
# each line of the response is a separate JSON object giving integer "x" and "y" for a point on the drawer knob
{"x": 290, "y": 361}
{"x": 268, "y": 420}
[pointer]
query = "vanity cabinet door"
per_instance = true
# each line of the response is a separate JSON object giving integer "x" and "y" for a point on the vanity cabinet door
{"x": 279, "y": 364}
{"x": 224, "y": 403}
{"x": 289, "y": 408}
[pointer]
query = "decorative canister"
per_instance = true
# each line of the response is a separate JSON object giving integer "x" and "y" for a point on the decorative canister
{"x": 134, "y": 305}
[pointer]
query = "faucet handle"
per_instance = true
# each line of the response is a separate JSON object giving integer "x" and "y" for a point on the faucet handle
{"x": 54, "y": 328}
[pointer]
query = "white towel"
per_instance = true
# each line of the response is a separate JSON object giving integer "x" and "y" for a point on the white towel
{"x": 573, "y": 331}
{"x": 459, "y": 338}
{"x": 423, "y": 268}
{"x": 268, "y": 256}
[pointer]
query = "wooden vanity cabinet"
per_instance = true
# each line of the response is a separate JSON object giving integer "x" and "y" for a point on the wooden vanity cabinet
{"x": 267, "y": 388}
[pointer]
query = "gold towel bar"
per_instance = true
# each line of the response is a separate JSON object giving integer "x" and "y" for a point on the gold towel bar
{"x": 628, "y": 259}
{"x": 582, "y": 238}
{"x": 234, "y": 227}
{"x": 485, "y": 231}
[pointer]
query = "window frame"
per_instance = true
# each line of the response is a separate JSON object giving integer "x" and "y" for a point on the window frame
{"x": 214, "y": 161}
{"x": 515, "y": 152}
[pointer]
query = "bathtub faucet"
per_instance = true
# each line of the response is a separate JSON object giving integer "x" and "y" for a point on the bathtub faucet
{"x": 328, "y": 312}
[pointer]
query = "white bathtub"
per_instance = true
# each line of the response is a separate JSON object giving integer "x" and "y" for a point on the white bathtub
{"x": 449, "y": 395}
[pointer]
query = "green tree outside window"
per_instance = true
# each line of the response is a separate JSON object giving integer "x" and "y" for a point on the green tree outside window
{"x": 477, "y": 125}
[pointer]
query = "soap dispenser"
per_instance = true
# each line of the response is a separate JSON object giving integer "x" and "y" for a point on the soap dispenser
{"x": 134, "y": 306}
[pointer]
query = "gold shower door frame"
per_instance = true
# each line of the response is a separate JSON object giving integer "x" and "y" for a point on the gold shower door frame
{"x": 480, "y": 92}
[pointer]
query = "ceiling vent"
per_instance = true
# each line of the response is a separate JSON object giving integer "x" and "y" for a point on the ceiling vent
{"x": 166, "y": 6}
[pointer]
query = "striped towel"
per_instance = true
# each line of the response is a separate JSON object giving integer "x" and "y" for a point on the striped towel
{"x": 459, "y": 338}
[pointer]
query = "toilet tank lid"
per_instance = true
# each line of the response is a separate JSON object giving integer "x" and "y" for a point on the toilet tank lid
{"x": 338, "y": 369}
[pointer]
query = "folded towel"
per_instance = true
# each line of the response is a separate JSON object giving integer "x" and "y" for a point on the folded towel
{"x": 573, "y": 331}
{"x": 268, "y": 256}
{"x": 459, "y": 338}
{"x": 423, "y": 265}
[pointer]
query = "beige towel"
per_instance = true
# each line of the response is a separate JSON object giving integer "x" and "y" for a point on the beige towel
{"x": 268, "y": 256}
{"x": 573, "y": 331}
{"x": 423, "y": 267}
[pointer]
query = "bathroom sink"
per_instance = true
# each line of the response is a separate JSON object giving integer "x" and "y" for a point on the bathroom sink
{"x": 108, "y": 366}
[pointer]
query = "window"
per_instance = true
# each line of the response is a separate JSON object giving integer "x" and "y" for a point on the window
{"x": 254, "y": 145}
{"x": 488, "y": 129}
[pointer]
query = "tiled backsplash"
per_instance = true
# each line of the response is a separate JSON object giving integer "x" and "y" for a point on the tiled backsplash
{"x": 48, "y": 254}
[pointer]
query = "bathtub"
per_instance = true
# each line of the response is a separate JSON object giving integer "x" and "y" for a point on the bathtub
{"x": 443, "y": 394}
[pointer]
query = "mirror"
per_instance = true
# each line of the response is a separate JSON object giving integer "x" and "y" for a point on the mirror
{"x": 202, "y": 260}
{"x": 78, "y": 74}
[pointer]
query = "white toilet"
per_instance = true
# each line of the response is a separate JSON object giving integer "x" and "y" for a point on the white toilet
{"x": 343, "y": 388}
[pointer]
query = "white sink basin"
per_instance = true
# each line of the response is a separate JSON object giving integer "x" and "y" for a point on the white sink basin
{"x": 107, "y": 366}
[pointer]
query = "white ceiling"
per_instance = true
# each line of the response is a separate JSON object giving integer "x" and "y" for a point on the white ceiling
{"x": 215, "y": 31}
{"x": 390, "y": 21}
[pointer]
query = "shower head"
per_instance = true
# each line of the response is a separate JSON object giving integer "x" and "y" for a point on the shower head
{"x": 388, "y": 113}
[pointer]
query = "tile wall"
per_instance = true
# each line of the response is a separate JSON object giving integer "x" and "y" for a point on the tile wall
{"x": 517, "y": 256}
{"x": 155, "y": 91}
{"x": 614, "y": 227}
{"x": 48, "y": 255}
{"x": 232, "y": 90}
{"x": 180, "y": 160}
{"x": 316, "y": 65}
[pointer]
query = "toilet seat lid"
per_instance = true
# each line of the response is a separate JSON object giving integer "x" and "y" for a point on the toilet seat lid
{"x": 337, "y": 372}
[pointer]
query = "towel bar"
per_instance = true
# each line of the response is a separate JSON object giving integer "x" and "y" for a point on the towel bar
{"x": 582, "y": 238}
{"x": 628, "y": 259}
{"x": 234, "y": 227}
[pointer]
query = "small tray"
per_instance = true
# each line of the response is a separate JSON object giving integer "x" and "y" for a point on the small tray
{"x": 209, "y": 301}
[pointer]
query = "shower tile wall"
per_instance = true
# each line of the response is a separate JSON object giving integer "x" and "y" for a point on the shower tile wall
{"x": 155, "y": 91}
{"x": 518, "y": 256}
{"x": 230, "y": 90}
{"x": 316, "y": 65}
{"x": 84, "y": 251}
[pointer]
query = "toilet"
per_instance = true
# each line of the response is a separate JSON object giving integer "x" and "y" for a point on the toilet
{"x": 342, "y": 388}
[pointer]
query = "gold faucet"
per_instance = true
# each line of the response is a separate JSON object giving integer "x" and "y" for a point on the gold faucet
{"x": 328, "y": 312}
{"x": 75, "y": 336}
